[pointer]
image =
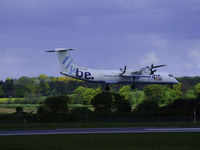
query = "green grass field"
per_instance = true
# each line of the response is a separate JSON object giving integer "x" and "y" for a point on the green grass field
{"x": 11, "y": 108}
{"x": 19, "y": 105}
{"x": 3, "y": 100}
{"x": 136, "y": 141}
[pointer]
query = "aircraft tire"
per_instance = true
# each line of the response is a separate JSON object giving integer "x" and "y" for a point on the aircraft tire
{"x": 107, "y": 88}
{"x": 133, "y": 86}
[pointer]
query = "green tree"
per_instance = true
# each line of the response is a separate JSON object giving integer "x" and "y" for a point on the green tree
{"x": 197, "y": 89}
{"x": 102, "y": 102}
{"x": 126, "y": 92}
{"x": 147, "y": 106}
{"x": 25, "y": 80}
{"x": 176, "y": 92}
{"x": 89, "y": 94}
{"x": 121, "y": 104}
{"x": 138, "y": 97}
{"x": 84, "y": 95}
{"x": 8, "y": 87}
{"x": 42, "y": 77}
{"x": 78, "y": 95}
{"x": 44, "y": 88}
{"x": 134, "y": 97}
{"x": 190, "y": 94}
{"x": 156, "y": 93}
{"x": 56, "y": 104}
{"x": 31, "y": 88}
{"x": 1, "y": 91}
{"x": 20, "y": 91}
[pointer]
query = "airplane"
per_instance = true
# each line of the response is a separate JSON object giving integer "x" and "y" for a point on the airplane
{"x": 145, "y": 75}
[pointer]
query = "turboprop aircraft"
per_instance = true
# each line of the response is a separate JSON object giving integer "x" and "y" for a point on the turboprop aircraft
{"x": 145, "y": 75}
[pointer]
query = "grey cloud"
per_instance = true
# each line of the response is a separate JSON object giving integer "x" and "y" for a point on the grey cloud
{"x": 107, "y": 34}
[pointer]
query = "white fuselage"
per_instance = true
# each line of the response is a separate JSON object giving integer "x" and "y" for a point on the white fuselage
{"x": 113, "y": 76}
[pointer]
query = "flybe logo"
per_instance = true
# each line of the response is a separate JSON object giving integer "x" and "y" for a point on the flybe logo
{"x": 69, "y": 66}
{"x": 86, "y": 75}
{"x": 72, "y": 69}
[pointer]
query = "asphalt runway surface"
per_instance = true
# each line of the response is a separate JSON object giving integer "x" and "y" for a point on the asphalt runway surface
{"x": 95, "y": 131}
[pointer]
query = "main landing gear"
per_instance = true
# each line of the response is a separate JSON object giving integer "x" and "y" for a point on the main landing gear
{"x": 133, "y": 86}
{"x": 107, "y": 87}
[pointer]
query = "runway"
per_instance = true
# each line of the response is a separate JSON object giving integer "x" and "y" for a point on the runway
{"x": 95, "y": 131}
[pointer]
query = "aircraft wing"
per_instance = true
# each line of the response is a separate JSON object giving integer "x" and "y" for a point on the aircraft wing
{"x": 148, "y": 70}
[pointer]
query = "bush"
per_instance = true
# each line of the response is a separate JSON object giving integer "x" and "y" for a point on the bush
{"x": 121, "y": 104}
{"x": 41, "y": 110}
{"x": 81, "y": 111}
{"x": 102, "y": 102}
{"x": 148, "y": 106}
{"x": 19, "y": 110}
{"x": 56, "y": 104}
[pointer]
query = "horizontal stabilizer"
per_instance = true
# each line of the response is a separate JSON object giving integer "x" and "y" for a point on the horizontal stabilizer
{"x": 60, "y": 50}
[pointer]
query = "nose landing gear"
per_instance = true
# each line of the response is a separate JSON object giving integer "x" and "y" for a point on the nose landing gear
{"x": 133, "y": 86}
{"x": 171, "y": 86}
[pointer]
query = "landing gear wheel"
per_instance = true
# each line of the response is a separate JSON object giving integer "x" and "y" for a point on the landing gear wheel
{"x": 133, "y": 86}
{"x": 107, "y": 88}
{"x": 171, "y": 86}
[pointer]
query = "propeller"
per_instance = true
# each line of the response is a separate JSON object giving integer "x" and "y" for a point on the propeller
{"x": 158, "y": 66}
{"x": 123, "y": 70}
{"x": 153, "y": 71}
{"x": 153, "y": 67}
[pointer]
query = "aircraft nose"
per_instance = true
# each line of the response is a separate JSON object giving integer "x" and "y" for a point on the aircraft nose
{"x": 175, "y": 81}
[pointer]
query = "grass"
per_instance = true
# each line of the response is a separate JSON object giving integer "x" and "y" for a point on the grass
{"x": 19, "y": 100}
{"x": 71, "y": 106}
{"x": 136, "y": 141}
{"x": 21, "y": 126}
{"x": 11, "y": 108}
{"x": 19, "y": 105}
{"x": 3, "y": 100}
{"x": 74, "y": 106}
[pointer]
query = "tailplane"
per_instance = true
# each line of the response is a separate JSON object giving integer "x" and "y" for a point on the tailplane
{"x": 65, "y": 60}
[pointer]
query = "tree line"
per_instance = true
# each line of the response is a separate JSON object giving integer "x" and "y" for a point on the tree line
{"x": 45, "y": 86}
{"x": 59, "y": 92}
{"x": 109, "y": 106}
{"x": 82, "y": 92}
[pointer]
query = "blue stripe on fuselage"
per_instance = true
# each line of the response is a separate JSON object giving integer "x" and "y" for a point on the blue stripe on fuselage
{"x": 138, "y": 77}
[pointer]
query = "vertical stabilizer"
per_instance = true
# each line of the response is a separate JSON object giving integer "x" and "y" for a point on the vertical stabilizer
{"x": 65, "y": 60}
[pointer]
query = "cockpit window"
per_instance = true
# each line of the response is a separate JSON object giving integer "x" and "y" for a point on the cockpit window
{"x": 170, "y": 75}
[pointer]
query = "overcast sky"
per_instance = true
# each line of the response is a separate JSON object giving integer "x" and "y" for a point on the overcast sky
{"x": 107, "y": 34}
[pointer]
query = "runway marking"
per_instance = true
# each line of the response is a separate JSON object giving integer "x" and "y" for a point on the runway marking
{"x": 172, "y": 129}
{"x": 97, "y": 131}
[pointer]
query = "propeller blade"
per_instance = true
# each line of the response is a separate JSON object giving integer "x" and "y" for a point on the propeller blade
{"x": 158, "y": 66}
{"x": 153, "y": 71}
{"x": 151, "y": 67}
{"x": 123, "y": 70}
